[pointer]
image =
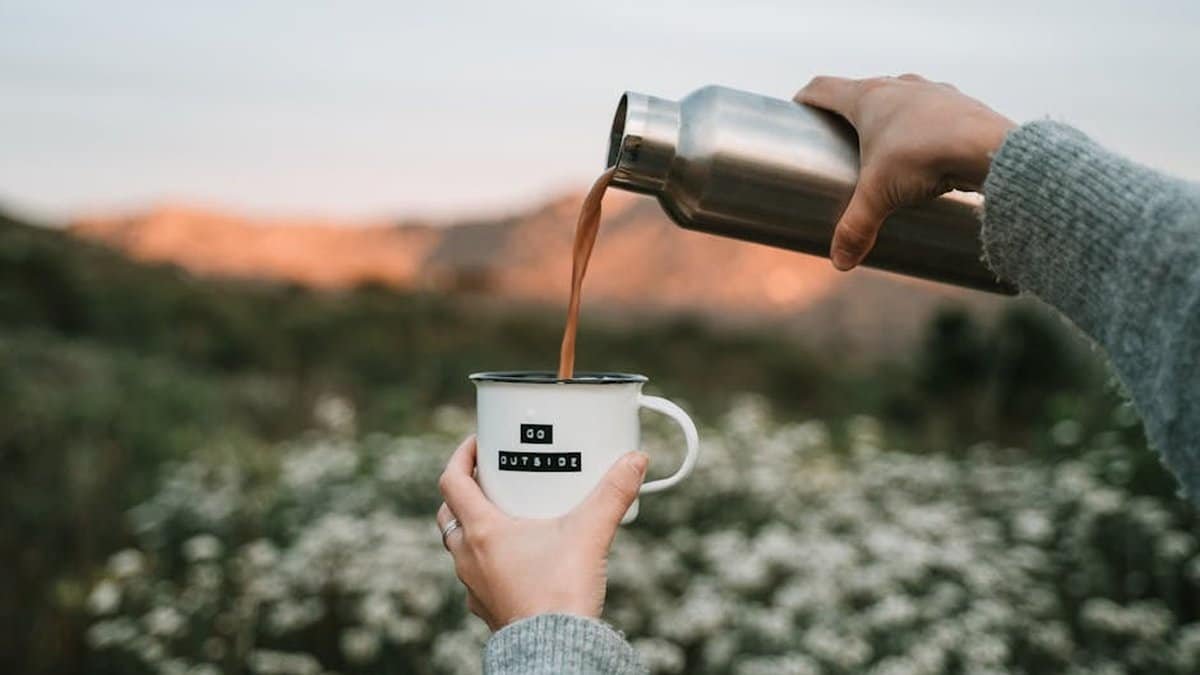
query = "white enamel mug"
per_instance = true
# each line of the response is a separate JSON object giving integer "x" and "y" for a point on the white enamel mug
{"x": 545, "y": 443}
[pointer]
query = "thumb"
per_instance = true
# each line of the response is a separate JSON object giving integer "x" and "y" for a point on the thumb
{"x": 859, "y": 225}
{"x": 609, "y": 500}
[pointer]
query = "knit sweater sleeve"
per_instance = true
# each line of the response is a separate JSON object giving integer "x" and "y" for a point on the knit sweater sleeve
{"x": 1115, "y": 247}
{"x": 559, "y": 644}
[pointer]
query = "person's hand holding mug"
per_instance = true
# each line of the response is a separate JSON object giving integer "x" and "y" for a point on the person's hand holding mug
{"x": 516, "y": 568}
{"x": 917, "y": 139}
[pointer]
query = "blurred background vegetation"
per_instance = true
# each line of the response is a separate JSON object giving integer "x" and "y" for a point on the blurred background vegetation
{"x": 110, "y": 370}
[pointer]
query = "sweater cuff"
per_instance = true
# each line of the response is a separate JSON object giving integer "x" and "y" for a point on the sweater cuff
{"x": 1057, "y": 219}
{"x": 1113, "y": 246}
{"x": 559, "y": 644}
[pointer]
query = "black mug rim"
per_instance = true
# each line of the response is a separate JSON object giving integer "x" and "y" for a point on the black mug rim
{"x": 551, "y": 377}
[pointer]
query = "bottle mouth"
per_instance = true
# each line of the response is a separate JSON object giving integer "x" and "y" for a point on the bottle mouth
{"x": 617, "y": 132}
{"x": 642, "y": 142}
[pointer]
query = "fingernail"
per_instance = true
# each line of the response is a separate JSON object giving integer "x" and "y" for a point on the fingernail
{"x": 842, "y": 259}
{"x": 639, "y": 461}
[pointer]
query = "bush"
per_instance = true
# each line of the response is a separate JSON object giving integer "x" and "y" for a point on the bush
{"x": 781, "y": 554}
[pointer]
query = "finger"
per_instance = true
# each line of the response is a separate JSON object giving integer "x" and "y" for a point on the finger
{"x": 459, "y": 489}
{"x": 838, "y": 94}
{"x": 609, "y": 500}
{"x": 444, "y": 516}
{"x": 451, "y": 540}
{"x": 856, "y": 231}
{"x": 911, "y": 77}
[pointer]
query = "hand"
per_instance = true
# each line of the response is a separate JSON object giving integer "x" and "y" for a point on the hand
{"x": 918, "y": 139}
{"x": 515, "y": 568}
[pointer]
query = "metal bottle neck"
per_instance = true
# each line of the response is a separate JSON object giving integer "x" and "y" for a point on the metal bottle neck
{"x": 645, "y": 133}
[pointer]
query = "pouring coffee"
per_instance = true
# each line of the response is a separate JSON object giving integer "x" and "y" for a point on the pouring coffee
{"x": 721, "y": 161}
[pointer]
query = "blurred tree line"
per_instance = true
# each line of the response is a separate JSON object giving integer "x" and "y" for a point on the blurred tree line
{"x": 110, "y": 368}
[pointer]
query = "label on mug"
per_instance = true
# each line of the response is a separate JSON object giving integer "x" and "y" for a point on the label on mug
{"x": 541, "y": 461}
{"x": 537, "y": 433}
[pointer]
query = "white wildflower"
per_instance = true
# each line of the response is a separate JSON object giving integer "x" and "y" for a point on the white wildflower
{"x": 457, "y": 652}
{"x": 1067, "y": 432}
{"x": 335, "y": 413}
{"x": 112, "y": 632}
{"x": 781, "y": 554}
{"x": 104, "y": 598}
{"x": 1032, "y": 526}
{"x": 1176, "y": 546}
{"x": 660, "y": 656}
{"x": 452, "y": 420}
{"x": 127, "y": 563}
{"x": 1144, "y": 620}
{"x": 844, "y": 650}
{"x": 792, "y": 664}
{"x": 202, "y": 548}
{"x": 164, "y": 621}
{"x": 406, "y": 630}
{"x": 359, "y": 645}
{"x": 269, "y": 662}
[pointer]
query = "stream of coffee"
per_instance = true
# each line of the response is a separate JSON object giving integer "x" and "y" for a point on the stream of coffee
{"x": 585, "y": 237}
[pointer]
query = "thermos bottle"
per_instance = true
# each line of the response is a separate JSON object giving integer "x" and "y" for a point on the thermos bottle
{"x": 779, "y": 173}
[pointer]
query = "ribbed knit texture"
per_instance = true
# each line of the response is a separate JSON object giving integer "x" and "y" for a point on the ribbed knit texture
{"x": 1115, "y": 247}
{"x": 559, "y": 644}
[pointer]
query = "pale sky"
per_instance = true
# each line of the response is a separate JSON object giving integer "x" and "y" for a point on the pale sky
{"x": 355, "y": 108}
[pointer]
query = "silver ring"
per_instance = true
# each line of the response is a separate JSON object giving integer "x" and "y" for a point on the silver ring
{"x": 450, "y": 527}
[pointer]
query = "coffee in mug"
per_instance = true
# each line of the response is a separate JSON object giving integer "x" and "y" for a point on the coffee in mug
{"x": 544, "y": 443}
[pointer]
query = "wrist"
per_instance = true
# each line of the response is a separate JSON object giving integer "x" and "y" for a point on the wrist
{"x": 979, "y": 136}
{"x": 566, "y": 606}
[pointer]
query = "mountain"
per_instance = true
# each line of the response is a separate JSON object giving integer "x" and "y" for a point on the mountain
{"x": 642, "y": 263}
{"x": 321, "y": 253}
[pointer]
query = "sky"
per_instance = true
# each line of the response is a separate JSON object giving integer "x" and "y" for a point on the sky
{"x": 451, "y": 109}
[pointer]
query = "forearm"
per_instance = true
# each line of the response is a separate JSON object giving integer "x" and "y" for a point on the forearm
{"x": 559, "y": 644}
{"x": 1116, "y": 248}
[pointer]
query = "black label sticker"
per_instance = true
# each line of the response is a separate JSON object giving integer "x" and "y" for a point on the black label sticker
{"x": 541, "y": 461}
{"x": 537, "y": 433}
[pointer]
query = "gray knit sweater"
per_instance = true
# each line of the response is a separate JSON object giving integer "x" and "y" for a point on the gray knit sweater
{"x": 1112, "y": 245}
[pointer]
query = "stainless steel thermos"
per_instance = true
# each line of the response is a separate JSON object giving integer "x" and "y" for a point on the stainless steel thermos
{"x": 779, "y": 173}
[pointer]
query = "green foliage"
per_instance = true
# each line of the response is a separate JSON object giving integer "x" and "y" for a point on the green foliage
{"x": 110, "y": 370}
{"x": 779, "y": 554}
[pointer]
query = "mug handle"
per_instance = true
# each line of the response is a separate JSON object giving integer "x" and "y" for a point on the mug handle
{"x": 662, "y": 405}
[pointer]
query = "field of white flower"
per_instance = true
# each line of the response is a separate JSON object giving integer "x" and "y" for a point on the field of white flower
{"x": 781, "y": 555}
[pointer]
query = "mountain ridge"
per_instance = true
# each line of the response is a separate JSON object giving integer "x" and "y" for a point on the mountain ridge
{"x": 642, "y": 262}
